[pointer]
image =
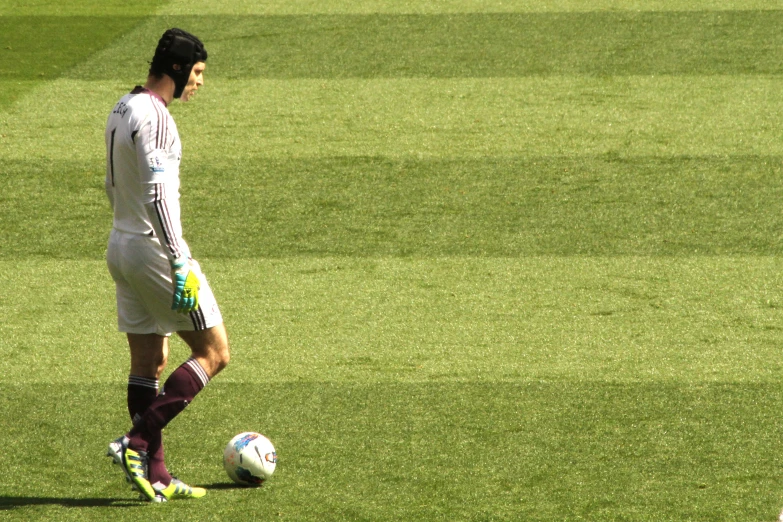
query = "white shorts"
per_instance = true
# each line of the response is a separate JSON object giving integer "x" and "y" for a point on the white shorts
{"x": 142, "y": 276}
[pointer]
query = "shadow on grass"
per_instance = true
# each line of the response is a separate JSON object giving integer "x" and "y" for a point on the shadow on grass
{"x": 224, "y": 485}
{"x": 7, "y": 503}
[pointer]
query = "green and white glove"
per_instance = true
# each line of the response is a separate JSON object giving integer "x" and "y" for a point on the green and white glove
{"x": 186, "y": 286}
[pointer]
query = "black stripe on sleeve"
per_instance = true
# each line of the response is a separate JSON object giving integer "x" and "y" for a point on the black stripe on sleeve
{"x": 111, "y": 155}
{"x": 162, "y": 211}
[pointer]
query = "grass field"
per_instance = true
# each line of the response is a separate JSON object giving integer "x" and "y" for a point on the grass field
{"x": 478, "y": 260}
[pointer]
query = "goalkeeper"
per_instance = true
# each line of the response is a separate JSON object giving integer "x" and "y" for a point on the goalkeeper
{"x": 160, "y": 288}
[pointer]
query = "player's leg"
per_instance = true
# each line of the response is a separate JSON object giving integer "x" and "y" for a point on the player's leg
{"x": 209, "y": 348}
{"x": 205, "y": 334}
{"x": 148, "y": 345}
{"x": 150, "y": 279}
{"x": 149, "y": 355}
{"x": 209, "y": 355}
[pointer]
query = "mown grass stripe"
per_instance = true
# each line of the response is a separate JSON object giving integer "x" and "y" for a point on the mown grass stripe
{"x": 473, "y": 45}
{"x": 36, "y": 49}
{"x": 537, "y": 451}
{"x": 365, "y": 206}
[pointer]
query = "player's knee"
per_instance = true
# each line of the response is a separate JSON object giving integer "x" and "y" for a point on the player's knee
{"x": 223, "y": 358}
{"x": 221, "y": 350}
{"x": 219, "y": 356}
{"x": 152, "y": 367}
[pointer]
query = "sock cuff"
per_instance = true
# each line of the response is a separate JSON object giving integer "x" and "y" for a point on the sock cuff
{"x": 195, "y": 368}
{"x": 144, "y": 382}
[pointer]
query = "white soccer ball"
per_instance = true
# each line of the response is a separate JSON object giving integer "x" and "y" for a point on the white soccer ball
{"x": 249, "y": 459}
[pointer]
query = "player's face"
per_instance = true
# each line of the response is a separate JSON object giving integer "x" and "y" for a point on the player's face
{"x": 194, "y": 82}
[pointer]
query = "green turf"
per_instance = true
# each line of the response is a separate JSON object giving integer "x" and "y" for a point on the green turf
{"x": 377, "y": 206}
{"x": 429, "y": 388}
{"x": 472, "y": 45}
{"x": 308, "y": 7}
{"x": 615, "y": 319}
{"x": 48, "y": 9}
{"x": 478, "y": 260}
{"x": 431, "y": 451}
{"x": 34, "y": 49}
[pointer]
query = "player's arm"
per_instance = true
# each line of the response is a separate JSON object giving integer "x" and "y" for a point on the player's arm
{"x": 186, "y": 283}
{"x": 109, "y": 181}
{"x": 163, "y": 211}
{"x": 109, "y": 191}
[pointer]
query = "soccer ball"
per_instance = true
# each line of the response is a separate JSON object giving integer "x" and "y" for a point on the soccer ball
{"x": 249, "y": 459}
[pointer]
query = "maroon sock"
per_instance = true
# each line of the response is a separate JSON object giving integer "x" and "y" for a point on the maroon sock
{"x": 180, "y": 388}
{"x": 142, "y": 392}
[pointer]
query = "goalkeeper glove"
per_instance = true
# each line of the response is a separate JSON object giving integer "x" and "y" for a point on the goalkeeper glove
{"x": 186, "y": 286}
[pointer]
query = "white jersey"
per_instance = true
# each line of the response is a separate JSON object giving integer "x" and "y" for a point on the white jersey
{"x": 143, "y": 153}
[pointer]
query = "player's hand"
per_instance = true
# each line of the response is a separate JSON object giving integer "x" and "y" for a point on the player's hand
{"x": 186, "y": 287}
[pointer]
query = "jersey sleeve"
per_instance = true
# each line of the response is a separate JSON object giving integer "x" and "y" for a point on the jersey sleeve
{"x": 149, "y": 137}
{"x": 159, "y": 176}
{"x": 163, "y": 212}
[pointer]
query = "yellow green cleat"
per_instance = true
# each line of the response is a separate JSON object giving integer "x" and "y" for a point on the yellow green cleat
{"x": 135, "y": 465}
{"x": 178, "y": 490}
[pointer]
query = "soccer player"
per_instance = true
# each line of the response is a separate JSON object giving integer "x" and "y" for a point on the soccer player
{"x": 160, "y": 288}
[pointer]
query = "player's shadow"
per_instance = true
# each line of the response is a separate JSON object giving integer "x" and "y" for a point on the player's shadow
{"x": 8, "y": 503}
{"x": 224, "y": 485}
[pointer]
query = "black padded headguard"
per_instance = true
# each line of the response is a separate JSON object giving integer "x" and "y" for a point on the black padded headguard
{"x": 177, "y": 47}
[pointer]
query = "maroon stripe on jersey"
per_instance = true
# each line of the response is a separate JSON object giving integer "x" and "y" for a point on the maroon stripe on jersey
{"x": 164, "y": 128}
{"x": 162, "y": 125}
{"x": 161, "y": 142}
{"x": 154, "y": 137}
{"x": 162, "y": 211}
